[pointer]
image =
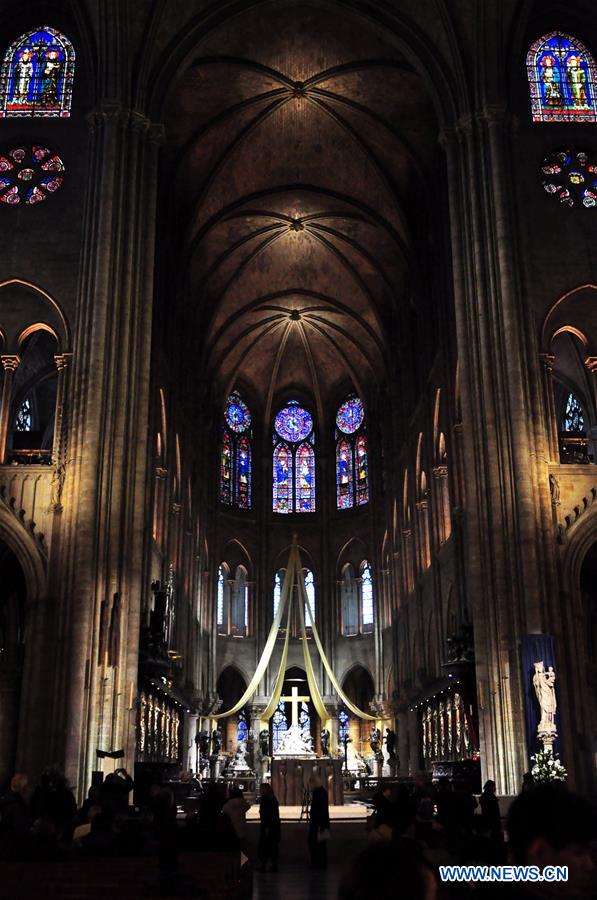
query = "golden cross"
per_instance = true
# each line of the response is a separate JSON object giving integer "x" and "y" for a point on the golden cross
{"x": 294, "y": 699}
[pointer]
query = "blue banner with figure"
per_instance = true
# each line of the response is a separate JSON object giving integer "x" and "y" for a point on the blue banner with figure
{"x": 537, "y": 648}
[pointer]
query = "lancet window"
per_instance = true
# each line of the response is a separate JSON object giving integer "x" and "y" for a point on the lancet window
{"x": 293, "y": 488}
{"x": 352, "y": 461}
{"x": 236, "y": 454}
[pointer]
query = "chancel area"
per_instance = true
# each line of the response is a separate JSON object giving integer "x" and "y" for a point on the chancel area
{"x": 298, "y": 408}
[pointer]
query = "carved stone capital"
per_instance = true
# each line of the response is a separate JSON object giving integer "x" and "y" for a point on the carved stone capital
{"x": 62, "y": 360}
{"x": 440, "y": 471}
{"x": 10, "y": 362}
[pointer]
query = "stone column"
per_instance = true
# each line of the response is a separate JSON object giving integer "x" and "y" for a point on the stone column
{"x": 9, "y": 364}
{"x": 62, "y": 362}
{"x": 104, "y": 497}
{"x": 510, "y": 564}
{"x": 591, "y": 364}
{"x": 549, "y": 405}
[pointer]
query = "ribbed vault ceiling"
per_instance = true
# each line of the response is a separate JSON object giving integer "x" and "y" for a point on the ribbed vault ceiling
{"x": 299, "y": 148}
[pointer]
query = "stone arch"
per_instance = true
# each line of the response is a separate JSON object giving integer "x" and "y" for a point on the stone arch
{"x": 25, "y": 307}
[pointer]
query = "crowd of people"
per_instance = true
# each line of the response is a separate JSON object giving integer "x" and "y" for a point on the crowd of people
{"x": 412, "y": 831}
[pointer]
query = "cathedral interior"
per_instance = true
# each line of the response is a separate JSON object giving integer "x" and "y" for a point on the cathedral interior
{"x": 298, "y": 422}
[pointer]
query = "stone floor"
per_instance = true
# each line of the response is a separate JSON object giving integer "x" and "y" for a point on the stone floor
{"x": 295, "y": 880}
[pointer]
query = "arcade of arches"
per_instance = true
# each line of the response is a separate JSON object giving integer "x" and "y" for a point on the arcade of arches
{"x": 320, "y": 270}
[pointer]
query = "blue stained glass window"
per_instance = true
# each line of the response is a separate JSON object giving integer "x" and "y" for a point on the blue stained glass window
{"x": 279, "y": 726}
{"x": 293, "y": 466}
{"x": 242, "y": 731}
{"x": 37, "y": 75}
{"x": 350, "y": 415}
{"x": 293, "y": 423}
{"x": 282, "y": 479}
{"x": 305, "y": 722}
{"x": 305, "y": 478}
{"x": 343, "y": 726}
{"x": 237, "y": 413}
{"x": 352, "y": 465}
{"x": 236, "y": 454}
{"x": 562, "y": 80}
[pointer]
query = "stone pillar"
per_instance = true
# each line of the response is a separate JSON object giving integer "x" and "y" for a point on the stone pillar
{"x": 62, "y": 362}
{"x": 9, "y": 364}
{"x": 591, "y": 364}
{"x": 106, "y": 478}
{"x": 549, "y": 405}
{"x": 510, "y": 563}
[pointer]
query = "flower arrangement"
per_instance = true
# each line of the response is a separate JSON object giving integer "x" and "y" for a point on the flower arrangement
{"x": 547, "y": 767}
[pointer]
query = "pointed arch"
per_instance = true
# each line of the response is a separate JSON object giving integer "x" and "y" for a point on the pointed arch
{"x": 37, "y": 75}
{"x": 367, "y": 601}
{"x": 562, "y": 79}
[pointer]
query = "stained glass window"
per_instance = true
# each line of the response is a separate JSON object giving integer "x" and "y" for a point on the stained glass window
{"x": 243, "y": 474}
{"x": 293, "y": 423}
{"x": 574, "y": 418}
{"x": 305, "y": 722}
{"x": 242, "y": 731}
{"x": 29, "y": 175}
{"x": 344, "y": 474}
{"x": 235, "y": 454}
{"x": 343, "y": 727}
{"x": 37, "y": 75}
{"x": 305, "y": 479}
{"x": 562, "y": 80}
{"x": 571, "y": 177}
{"x": 362, "y": 485}
{"x": 366, "y": 598}
{"x": 310, "y": 589}
{"x": 352, "y": 469}
{"x": 237, "y": 413}
{"x": 293, "y": 467}
{"x": 282, "y": 479}
{"x": 350, "y": 415}
{"x": 226, "y": 470}
{"x": 24, "y": 416}
{"x": 279, "y": 726}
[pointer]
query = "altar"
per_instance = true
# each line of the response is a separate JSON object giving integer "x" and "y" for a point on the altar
{"x": 290, "y": 779}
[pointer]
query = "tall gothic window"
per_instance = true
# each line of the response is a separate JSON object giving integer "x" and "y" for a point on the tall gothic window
{"x": 366, "y": 598}
{"x": 573, "y": 419}
{"x": 235, "y": 454}
{"x": 356, "y": 596}
{"x": 37, "y": 75}
{"x": 352, "y": 463}
{"x": 278, "y": 585}
{"x": 24, "y": 416}
{"x": 562, "y": 80}
{"x": 350, "y": 602}
{"x": 293, "y": 488}
{"x": 310, "y": 589}
{"x": 239, "y": 605}
{"x": 232, "y": 602}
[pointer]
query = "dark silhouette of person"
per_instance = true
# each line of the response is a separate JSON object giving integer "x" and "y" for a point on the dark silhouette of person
{"x": 269, "y": 829}
{"x": 115, "y": 792}
{"x": 54, "y": 803}
{"x": 319, "y": 823}
{"x": 490, "y": 809}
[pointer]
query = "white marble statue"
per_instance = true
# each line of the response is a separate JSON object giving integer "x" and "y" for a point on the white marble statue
{"x": 239, "y": 763}
{"x": 544, "y": 685}
{"x": 294, "y": 743}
